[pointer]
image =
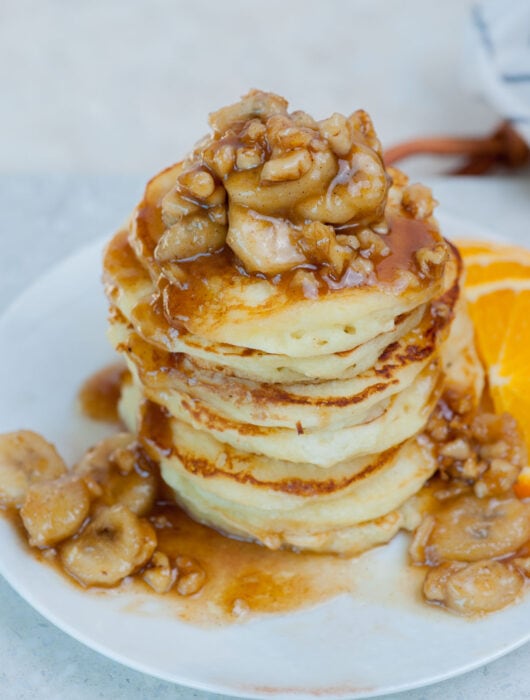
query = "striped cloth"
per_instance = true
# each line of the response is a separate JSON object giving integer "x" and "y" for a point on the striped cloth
{"x": 498, "y": 64}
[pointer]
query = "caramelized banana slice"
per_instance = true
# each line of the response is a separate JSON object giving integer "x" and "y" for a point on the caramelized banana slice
{"x": 136, "y": 490}
{"x": 263, "y": 244}
{"x": 25, "y": 457}
{"x": 358, "y": 192}
{"x": 55, "y": 510}
{"x": 473, "y": 589}
{"x": 114, "y": 545}
{"x": 278, "y": 198}
{"x": 96, "y": 459}
{"x": 470, "y": 529}
{"x": 116, "y": 472}
{"x": 196, "y": 235}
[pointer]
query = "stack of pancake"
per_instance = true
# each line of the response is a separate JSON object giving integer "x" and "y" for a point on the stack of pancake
{"x": 282, "y": 411}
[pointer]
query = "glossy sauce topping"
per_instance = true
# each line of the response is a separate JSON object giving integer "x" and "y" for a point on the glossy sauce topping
{"x": 243, "y": 579}
{"x": 197, "y": 284}
{"x": 218, "y": 580}
{"x": 270, "y": 194}
{"x": 405, "y": 237}
{"x": 238, "y": 580}
{"x": 100, "y": 393}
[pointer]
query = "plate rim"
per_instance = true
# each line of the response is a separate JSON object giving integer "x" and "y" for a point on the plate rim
{"x": 447, "y": 219}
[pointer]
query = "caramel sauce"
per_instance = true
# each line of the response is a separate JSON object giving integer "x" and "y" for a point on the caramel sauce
{"x": 155, "y": 429}
{"x": 206, "y": 276}
{"x": 243, "y": 579}
{"x": 191, "y": 288}
{"x": 99, "y": 395}
{"x": 149, "y": 226}
{"x": 405, "y": 237}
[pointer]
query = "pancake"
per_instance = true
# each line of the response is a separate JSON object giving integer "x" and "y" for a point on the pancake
{"x": 335, "y": 403}
{"x": 212, "y": 299}
{"x": 348, "y": 507}
{"x": 285, "y": 308}
{"x": 391, "y": 421}
{"x": 350, "y": 540}
{"x": 133, "y": 295}
{"x": 463, "y": 370}
{"x": 253, "y": 496}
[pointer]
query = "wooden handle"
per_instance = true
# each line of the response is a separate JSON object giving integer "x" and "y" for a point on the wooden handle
{"x": 505, "y": 147}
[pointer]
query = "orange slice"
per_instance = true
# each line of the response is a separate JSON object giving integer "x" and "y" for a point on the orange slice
{"x": 496, "y": 251}
{"x": 494, "y": 271}
{"x": 489, "y": 313}
{"x": 498, "y": 290}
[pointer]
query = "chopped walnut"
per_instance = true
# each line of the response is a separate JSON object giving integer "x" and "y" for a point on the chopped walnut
{"x": 307, "y": 282}
{"x": 371, "y": 243}
{"x": 361, "y": 125}
{"x": 337, "y": 131}
{"x": 350, "y": 240}
{"x": 498, "y": 478}
{"x": 301, "y": 118}
{"x": 405, "y": 279}
{"x": 266, "y": 179}
{"x": 199, "y": 183}
{"x": 254, "y": 131}
{"x": 362, "y": 266}
{"x": 418, "y": 201}
{"x": 291, "y": 166}
{"x": 159, "y": 574}
{"x": 191, "y": 576}
{"x": 248, "y": 157}
{"x": 298, "y": 175}
{"x": 175, "y": 206}
{"x": 381, "y": 227}
{"x": 283, "y": 135}
{"x": 191, "y": 213}
{"x": 224, "y": 159}
{"x": 431, "y": 257}
{"x": 255, "y": 104}
{"x": 477, "y": 449}
{"x": 319, "y": 244}
{"x": 456, "y": 449}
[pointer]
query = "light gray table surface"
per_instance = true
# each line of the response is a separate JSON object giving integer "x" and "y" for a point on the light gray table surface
{"x": 124, "y": 87}
{"x": 46, "y": 217}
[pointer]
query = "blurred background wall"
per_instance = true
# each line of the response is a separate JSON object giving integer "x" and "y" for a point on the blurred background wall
{"x": 124, "y": 86}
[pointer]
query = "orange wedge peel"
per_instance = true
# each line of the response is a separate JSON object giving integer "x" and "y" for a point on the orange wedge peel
{"x": 497, "y": 287}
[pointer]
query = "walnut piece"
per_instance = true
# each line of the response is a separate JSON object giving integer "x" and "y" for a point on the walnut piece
{"x": 284, "y": 191}
{"x": 480, "y": 450}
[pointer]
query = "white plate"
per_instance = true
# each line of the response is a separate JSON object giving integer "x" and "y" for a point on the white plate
{"x": 380, "y": 639}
